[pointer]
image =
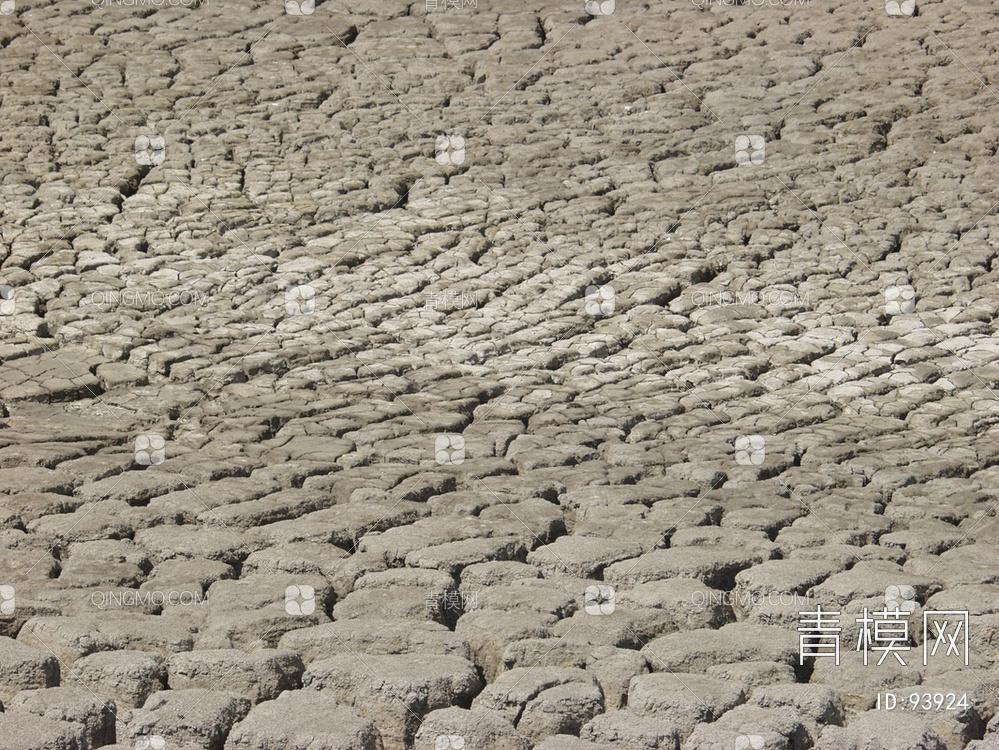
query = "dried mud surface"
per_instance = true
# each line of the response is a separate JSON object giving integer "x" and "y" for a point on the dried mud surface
{"x": 397, "y": 377}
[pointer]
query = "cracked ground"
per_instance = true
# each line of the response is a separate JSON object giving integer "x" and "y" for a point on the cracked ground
{"x": 499, "y": 375}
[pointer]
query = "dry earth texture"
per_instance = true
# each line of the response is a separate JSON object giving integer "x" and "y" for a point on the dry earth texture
{"x": 499, "y": 375}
